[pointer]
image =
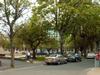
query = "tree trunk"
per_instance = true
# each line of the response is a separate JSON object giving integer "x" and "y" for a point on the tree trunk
{"x": 49, "y": 49}
{"x": 91, "y": 47}
{"x": 12, "y": 53}
{"x": 34, "y": 54}
{"x": 85, "y": 53}
{"x": 61, "y": 43}
{"x": 34, "y": 50}
{"x": 75, "y": 44}
{"x": 97, "y": 45}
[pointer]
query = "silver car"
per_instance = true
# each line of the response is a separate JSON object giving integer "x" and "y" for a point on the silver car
{"x": 91, "y": 55}
{"x": 55, "y": 59}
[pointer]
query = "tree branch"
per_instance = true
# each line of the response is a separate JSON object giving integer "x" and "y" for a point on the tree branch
{"x": 6, "y": 13}
{"x": 3, "y": 20}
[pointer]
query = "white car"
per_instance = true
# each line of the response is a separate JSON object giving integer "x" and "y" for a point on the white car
{"x": 91, "y": 55}
{"x": 55, "y": 59}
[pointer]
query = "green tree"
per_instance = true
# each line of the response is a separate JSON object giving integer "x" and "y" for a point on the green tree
{"x": 85, "y": 27}
{"x": 80, "y": 18}
{"x": 11, "y": 11}
{"x": 63, "y": 13}
{"x": 33, "y": 33}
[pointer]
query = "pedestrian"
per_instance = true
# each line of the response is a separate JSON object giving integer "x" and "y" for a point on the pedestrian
{"x": 97, "y": 59}
{"x": 28, "y": 55}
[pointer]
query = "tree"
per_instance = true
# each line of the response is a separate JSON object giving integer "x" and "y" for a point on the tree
{"x": 85, "y": 27}
{"x": 11, "y": 11}
{"x": 75, "y": 17}
{"x": 63, "y": 13}
{"x": 72, "y": 16}
{"x": 4, "y": 41}
{"x": 32, "y": 35}
{"x": 36, "y": 31}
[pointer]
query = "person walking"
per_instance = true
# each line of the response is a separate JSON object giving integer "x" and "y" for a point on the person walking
{"x": 97, "y": 59}
{"x": 28, "y": 55}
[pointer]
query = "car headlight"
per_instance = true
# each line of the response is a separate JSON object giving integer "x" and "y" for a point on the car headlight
{"x": 54, "y": 59}
{"x": 73, "y": 57}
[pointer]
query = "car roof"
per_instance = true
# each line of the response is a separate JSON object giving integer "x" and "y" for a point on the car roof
{"x": 55, "y": 55}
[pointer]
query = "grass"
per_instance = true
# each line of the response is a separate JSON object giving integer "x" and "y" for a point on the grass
{"x": 40, "y": 58}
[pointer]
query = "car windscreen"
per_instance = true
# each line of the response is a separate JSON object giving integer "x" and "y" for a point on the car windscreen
{"x": 53, "y": 55}
{"x": 71, "y": 54}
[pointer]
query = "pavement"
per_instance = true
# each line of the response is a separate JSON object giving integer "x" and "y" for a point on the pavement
{"x": 94, "y": 71}
{"x": 18, "y": 64}
{"x": 77, "y": 68}
{"x": 16, "y": 56}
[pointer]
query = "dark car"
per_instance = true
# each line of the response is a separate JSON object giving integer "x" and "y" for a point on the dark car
{"x": 78, "y": 57}
{"x": 41, "y": 53}
{"x": 73, "y": 57}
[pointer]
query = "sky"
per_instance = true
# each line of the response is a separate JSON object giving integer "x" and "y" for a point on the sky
{"x": 27, "y": 14}
{"x": 29, "y": 0}
{"x": 96, "y": 1}
{"x": 1, "y": 0}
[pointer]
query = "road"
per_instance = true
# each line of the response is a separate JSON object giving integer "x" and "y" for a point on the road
{"x": 41, "y": 69}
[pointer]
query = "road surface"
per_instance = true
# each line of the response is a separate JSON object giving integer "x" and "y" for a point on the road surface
{"x": 41, "y": 69}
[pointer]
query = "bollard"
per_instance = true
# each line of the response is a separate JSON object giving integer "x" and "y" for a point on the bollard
{"x": 97, "y": 60}
{"x": 97, "y": 63}
{"x": 0, "y": 63}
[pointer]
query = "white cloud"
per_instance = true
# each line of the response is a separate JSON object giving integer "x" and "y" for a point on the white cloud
{"x": 97, "y": 1}
{"x": 29, "y": 0}
{"x": 1, "y": 1}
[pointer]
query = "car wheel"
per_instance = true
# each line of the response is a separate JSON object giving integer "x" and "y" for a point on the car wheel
{"x": 48, "y": 63}
{"x": 75, "y": 60}
{"x": 65, "y": 62}
{"x": 58, "y": 63}
{"x": 80, "y": 60}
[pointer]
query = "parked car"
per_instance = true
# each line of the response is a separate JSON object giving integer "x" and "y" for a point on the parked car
{"x": 2, "y": 55}
{"x": 73, "y": 57}
{"x": 41, "y": 53}
{"x": 78, "y": 57}
{"x": 55, "y": 59}
{"x": 91, "y": 55}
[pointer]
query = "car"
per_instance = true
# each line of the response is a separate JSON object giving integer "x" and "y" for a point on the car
{"x": 73, "y": 57}
{"x": 91, "y": 55}
{"x": 41, "y": 53}
{"x": 78, "y": 57}
{"x": 55, "y": 59}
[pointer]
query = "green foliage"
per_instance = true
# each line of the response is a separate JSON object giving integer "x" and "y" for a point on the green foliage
{"x": 79, "y": 18}
{"x": 4, "y": 41}
{"x": 41, "y": 58}
{"x": 34, "y": 31}
{"x": 11, "y": 11}
{"x": 76, "y": 22}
